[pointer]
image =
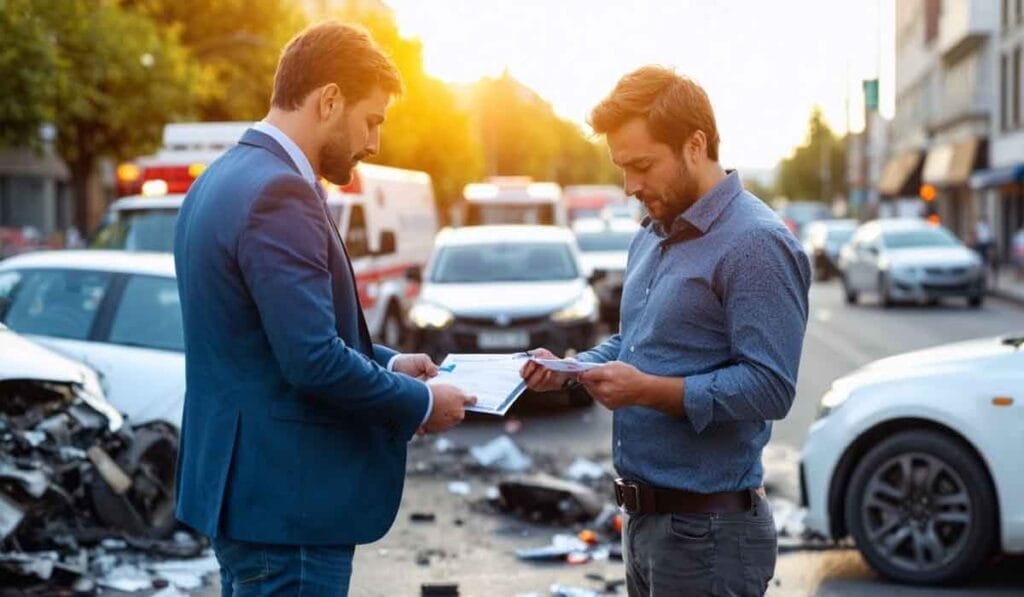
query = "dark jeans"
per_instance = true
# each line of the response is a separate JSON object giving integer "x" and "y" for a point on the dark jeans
{"x": 701, "y": 554}
{"x": 258, "y": 569}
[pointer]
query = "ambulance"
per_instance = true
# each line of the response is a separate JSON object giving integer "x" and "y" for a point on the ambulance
{"x": 513, "y": 200}
{"x": 386, "y": 216}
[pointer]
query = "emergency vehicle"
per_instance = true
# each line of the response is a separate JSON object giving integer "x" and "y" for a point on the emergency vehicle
{"x": 386, "y": 216}
{"x": 513, "y": 200}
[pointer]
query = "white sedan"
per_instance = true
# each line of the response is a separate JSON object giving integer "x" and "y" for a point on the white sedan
{"x": 918, "y": 458}
{"x": 908, "y": 259}
{"x": 116, "y": 311}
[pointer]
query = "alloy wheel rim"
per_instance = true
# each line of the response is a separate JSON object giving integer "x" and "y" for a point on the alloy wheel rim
{"x": 917, "y": 512}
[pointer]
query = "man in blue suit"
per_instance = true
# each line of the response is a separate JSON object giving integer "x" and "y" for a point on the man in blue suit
{"x": 293, "y": 441}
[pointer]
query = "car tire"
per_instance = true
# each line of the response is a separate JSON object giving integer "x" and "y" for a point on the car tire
{"x": 921, "y": 509}
{"x": 147, "y": 509}
{"x": 848, "y": 293}
{"x": 884, "y": 292}
{"x": 392, "y": 331}
{"x": 976, "y": 301}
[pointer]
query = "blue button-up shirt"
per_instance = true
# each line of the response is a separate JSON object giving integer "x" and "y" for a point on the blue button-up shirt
{"x": 720, "y": 299}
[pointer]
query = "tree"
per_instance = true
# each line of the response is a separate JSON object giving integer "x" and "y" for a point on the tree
{"x": 28, "y": 61}
{"x": 118, "y": 80}
{"x": 235, "y": 45}
{"x": 426, "y": 129}
{"x": 816, "y": 170}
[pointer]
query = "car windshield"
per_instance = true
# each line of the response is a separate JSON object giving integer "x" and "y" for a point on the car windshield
{"x": 924, "y": 237}
{"x": 482, "y": 214}
{"x": 139, "y": 230}
{"x": 840, "y": 236}
{"x": 504, "y": 262}
{"x": 604, "y": 241}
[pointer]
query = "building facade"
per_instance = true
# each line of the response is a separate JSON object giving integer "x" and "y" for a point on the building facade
{"x": 946, "y": 52}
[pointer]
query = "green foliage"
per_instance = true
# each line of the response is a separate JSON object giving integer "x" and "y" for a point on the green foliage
{"x": 28, "y": 73}
{"x": 817, "y": 169}
{"x": 235, "y": 45}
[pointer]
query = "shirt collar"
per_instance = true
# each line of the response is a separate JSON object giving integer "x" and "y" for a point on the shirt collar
{"x": 703, "y": 213}
{"x": 298, "y": 158}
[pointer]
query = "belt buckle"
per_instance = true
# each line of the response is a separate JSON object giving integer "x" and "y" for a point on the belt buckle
{"x": 621, "y": 487}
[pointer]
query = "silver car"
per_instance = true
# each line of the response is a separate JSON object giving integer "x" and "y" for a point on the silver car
{"x": 504, "y": 289}
{"x": 910, "y": 260}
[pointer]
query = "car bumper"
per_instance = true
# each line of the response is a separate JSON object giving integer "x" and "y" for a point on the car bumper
{"x": 819, "y": 460}
{"x": 935, "y": 288}
{"x": 463, "y": 337}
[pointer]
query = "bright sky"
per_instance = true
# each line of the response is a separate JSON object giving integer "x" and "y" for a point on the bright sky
{"x": 764, "y": 63}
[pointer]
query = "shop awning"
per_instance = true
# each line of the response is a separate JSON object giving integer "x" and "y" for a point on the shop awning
{"x": 997, "y": 177}
{"x": 901, "y": 176}
{"x": 952, "y": 164}
{"x": 22, "y": 161}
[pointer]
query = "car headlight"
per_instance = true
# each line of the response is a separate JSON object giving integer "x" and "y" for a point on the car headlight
{"x": 832, "y": 400}
{"x": 428, "y": 315}
{"x": 584, "y": 307}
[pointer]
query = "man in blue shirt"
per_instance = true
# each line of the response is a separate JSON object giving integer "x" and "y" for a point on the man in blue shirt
{"x": 713, "y": 314}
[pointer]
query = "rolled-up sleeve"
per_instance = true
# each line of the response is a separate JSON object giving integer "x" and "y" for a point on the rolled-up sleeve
{"x": 764, "y": 284}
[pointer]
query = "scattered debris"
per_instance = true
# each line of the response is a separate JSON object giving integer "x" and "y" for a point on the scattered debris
{"x": 548, "y": 499}
{"x": 502, "y": 454}
{"x": 582, "y": 469}
{"x": 570, "y": 591}
{"x": 443, "y": 444}
{"x": 425, "y": 556}
{"x": 422, "y": 517}
{"x": 459, "y": 488}
{"x": 513, "y": 426}
{"x": 560, "y": 550}
{"x": 443, "y": 589}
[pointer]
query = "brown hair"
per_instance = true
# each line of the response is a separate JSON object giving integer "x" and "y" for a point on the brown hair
{"x": 331, "y": 52}
{"x": 674, "y": 107}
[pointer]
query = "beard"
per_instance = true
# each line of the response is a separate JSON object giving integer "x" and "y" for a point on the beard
{"x": 681, "y": 193}
{"x": 337, "y": 161}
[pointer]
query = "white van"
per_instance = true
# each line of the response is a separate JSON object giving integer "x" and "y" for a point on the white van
{"x": 513, "y": 200}
{"x": 386, "y": 216}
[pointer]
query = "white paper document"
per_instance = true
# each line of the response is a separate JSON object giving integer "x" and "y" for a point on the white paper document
{"x": 564, "y": 365}
{"x": 493, "y": 378}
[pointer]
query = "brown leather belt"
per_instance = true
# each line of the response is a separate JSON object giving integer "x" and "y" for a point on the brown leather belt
{"x": 635, "y": 497}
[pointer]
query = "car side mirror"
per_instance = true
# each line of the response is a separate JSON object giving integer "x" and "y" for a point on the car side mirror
{"x": 414, "y": 274}
{"x": 387, "y": 243}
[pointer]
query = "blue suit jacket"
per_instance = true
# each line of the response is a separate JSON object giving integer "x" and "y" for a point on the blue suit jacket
{"x": 294, "y": 432}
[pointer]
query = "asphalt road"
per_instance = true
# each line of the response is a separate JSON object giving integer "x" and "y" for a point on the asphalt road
{"x": 478, "y": 553}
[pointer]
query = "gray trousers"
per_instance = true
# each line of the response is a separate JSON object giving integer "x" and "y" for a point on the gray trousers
{"x": 700, "y": 554}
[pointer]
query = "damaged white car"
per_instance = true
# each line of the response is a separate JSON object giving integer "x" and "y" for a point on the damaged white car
{"x": 71, "y": 471}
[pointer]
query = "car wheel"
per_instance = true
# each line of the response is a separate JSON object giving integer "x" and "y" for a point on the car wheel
{"x": 976, "y": 301}
{"x": 884, "y": 291}
{"x": 393, "y": 330}
{"x": 147, "y": 509}
{"x": 921, "y": 509}
{"x": 850, "y": 294}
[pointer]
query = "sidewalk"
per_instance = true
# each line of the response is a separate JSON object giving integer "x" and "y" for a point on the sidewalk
{"x": 1008, "y": 286}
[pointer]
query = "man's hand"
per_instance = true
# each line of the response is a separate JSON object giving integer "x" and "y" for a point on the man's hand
{"x": 417, "y": 365}
{"x": 615, "y": 384}
{"x": 449, "y": 408}
{"x": 542, "y": 379}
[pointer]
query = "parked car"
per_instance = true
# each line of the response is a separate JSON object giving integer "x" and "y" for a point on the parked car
{"x": 116, "y": 311}
{"x": 504, "y": 289}
{"x": 513, "y": 200}
{"x": 823, "y": 240}
{"x": 796, "y": 214}
{"x": 604, "y": 248}
{"x": 386, "y": 215}
{"x": 910, "y": 260}
{"x": 917, "y": 457}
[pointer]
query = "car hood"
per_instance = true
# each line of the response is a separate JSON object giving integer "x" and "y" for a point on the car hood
{"x": 961, "y": 358}
{"x": 24, "y": 359}
{"x": 523, "y": 299}
{"x": 608, "y": 261}
{"x": 932, "y": 256}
